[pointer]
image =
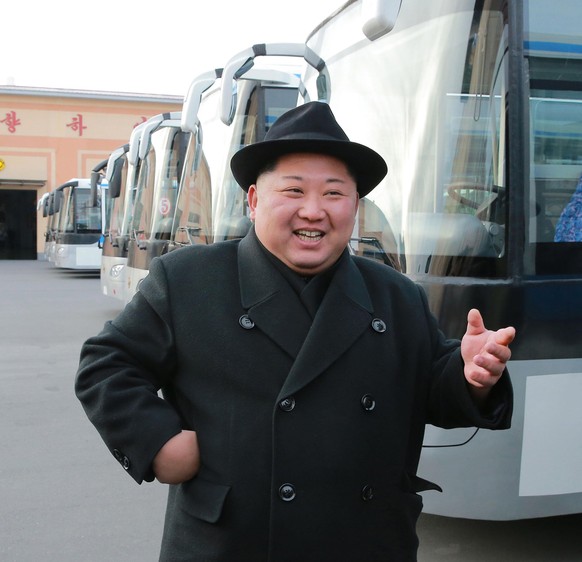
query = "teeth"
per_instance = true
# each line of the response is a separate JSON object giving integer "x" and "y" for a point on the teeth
{"x": 309, "y": 235}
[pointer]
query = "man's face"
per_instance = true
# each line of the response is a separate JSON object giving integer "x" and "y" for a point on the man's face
{"x": 304, "y": 210}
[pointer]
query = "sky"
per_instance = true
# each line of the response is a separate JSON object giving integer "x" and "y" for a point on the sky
{"x": 141, "y": 46}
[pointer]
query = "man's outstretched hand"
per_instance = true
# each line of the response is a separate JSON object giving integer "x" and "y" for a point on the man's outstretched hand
{"x": 485, "y": 353}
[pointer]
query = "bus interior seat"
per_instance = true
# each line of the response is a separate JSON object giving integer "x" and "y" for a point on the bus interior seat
{"x": 373, "y": 225}
{"x": 428, "y": 235}
{"x": 233, "y": 228}
{"x": 164, "y": 229}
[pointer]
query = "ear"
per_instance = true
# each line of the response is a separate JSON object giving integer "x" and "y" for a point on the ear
{"x": 252, "y": 197}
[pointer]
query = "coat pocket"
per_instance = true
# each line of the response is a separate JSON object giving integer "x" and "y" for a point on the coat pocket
{"x": 202, "y": 499}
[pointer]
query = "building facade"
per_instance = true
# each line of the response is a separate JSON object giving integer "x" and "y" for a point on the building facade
{"x": 49, "y": 136}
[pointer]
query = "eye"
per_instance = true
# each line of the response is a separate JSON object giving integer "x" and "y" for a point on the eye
{"x": 292, "y": 190}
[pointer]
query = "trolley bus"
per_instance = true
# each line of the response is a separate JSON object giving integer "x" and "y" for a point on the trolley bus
{"x": 477, "y": 108}
{"x": 79, "y": 227}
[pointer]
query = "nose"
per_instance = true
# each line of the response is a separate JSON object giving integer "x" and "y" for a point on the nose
{"x": 312, "y": 208}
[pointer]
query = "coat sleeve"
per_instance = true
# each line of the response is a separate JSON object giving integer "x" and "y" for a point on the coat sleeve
{"x": 120, "y": 374}
{"x": 449, "y": 402}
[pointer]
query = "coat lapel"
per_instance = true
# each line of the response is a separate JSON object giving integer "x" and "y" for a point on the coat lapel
{"x": 269, "y": 300}
{"x": 344, "y": 314}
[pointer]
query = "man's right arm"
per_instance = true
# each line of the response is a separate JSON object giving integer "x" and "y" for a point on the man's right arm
{"x": 121, "y": 372}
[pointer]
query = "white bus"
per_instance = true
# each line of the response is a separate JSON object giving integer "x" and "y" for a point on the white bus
{"x": 79, "y": 227}
{"x": 112, "y": 261}
{"x": 185, "y": 191}
{"x": 477, "y": 108}
{"x": 161, "y": 151}
{"x": 224, "y": 110}
{"x": 122, "y": 172}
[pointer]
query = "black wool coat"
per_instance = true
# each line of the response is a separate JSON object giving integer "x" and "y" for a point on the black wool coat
{"x": 310, "y": 430}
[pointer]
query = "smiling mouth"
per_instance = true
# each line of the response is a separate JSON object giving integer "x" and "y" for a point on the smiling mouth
{"x": 309, "y": 235}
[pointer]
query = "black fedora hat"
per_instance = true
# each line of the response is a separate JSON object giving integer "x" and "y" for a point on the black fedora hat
{"x": 310, "y": 127}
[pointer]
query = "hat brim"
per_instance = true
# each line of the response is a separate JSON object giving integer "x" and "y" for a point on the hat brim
{"x": 367, "y": 165}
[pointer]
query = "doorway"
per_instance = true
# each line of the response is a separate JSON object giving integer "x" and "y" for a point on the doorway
{"x": 17, "y": 224}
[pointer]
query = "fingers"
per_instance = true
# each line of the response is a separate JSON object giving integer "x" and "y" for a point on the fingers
{"x": 476, "y": 326}
{"x": 475, "y": 323}
{"x": 484, "y": 371}
{"x": 493, "y": 363}
{"x": 496, "y": 350}
{"x": 485, "y": 352}
{"x": 490, "y": 363}
{"x": 505, "y": 336}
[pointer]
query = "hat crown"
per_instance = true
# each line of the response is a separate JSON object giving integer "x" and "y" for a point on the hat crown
{"x": 313, "y": 121}
{"x": 310, "y": 128}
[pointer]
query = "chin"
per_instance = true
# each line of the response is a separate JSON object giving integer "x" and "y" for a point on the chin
{"x": 308, "y": 269}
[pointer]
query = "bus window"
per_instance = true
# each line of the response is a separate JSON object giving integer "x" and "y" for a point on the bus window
{"x": 87, "y": 217}
{"x": 264, "y": 104}
{"x": 456, "y": 226}
{"x": 554, "y": 206}
{"x": 193, "y": 216}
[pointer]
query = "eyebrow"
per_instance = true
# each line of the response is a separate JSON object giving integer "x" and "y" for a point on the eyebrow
{"x": 301, "y": 178}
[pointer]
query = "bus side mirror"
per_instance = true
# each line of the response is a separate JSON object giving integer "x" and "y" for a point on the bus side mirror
{"x": 95, "y": 181}
{"x": 115, "y": 181}
{"x": 57, "y": 201}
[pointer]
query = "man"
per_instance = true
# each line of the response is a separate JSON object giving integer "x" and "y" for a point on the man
{"x": 297, "y": 379}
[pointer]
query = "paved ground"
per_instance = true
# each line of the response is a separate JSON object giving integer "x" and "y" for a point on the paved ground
{"x": 63, "y": 498}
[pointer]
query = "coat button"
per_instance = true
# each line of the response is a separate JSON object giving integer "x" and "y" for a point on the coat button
{"x": 246, "y": 322}
{"x": 287, "y": 492}
{"x": 378, "y": 325}
{"x": 367, "y": 493}
{"x": 368, "y": 403}
{"x": 121, "y": 458}
{"x": 287, "y": 404}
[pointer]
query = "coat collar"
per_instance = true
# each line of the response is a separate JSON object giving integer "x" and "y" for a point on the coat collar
{"x": 344, "y": 314}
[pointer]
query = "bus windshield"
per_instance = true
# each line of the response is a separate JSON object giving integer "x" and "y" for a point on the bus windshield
{"x": 157, "y": 187}
{"x": 441, "y": 121}
{"x": 87, "y": 218}
{"x": 263, "y": 105}
{"x": 77, "y": 213}
{"x": 117, "y": 204}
